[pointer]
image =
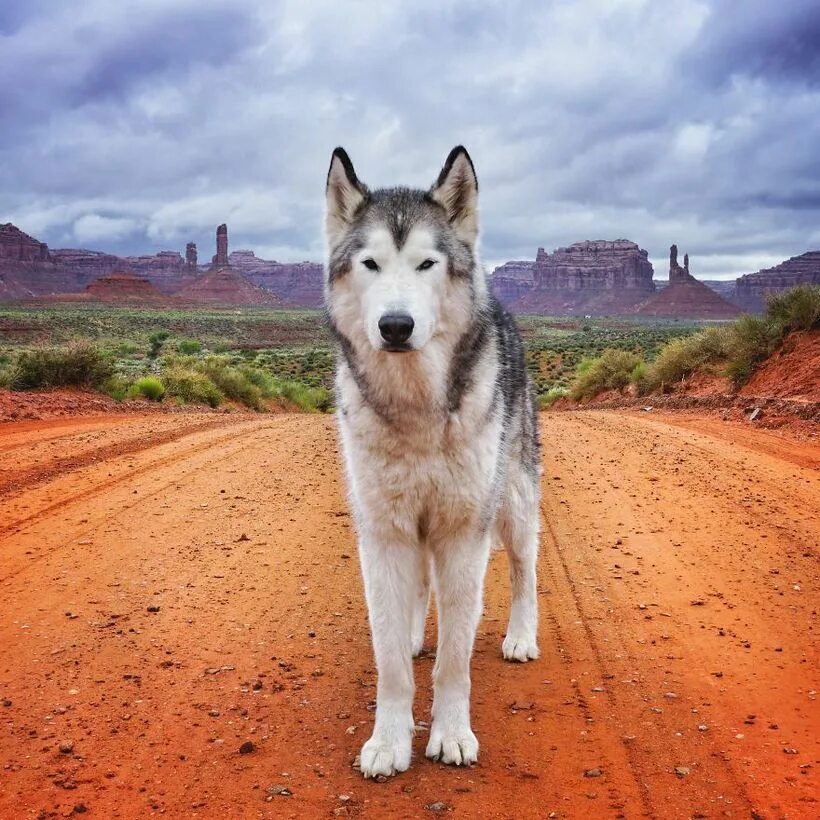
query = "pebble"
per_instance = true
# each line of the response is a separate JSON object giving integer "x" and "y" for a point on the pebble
{"x": 593, "y": 773}
{"x": 279, "y": 789}
{"x": 153, "y": 608}
{"x": 439, "y": 805}
{"x": 681, "y": 771}
{"x": 247, "y": 747}
{"x": 66, "y": 747}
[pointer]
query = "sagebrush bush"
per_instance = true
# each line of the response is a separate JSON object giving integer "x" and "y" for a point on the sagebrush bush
{"x": 78, "y": 364}
{"x": 190, "y": 386}
{"x": 795, "y": 309}
{"x": 612, "y": 370}
{"x": 552, "y": 395}
{"x": 752, "y": 339}
{"x": 149, "y": 387}
{"x": 232, "y": 382}
{"x": 690, "y": 354}
{"x": 189, "y": 347}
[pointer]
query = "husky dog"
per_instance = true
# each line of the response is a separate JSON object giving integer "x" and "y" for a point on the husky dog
{"x": 440, "y": 439}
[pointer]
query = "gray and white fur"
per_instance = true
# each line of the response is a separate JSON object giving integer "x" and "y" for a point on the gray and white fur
{"x": 440, "y": 439}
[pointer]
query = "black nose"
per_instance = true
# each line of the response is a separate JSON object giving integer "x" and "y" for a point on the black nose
{"x": 396, "y": 328}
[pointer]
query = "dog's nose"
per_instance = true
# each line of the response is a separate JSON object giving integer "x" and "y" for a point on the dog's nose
{"x": 396, "y": 328}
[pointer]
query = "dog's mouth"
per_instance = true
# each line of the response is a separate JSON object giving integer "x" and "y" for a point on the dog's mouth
{"x": 397, "y": 348}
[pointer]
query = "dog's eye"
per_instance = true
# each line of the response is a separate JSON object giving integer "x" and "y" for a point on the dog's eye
{"x": 426, "y": 264}
{"x": 370, "y": 264}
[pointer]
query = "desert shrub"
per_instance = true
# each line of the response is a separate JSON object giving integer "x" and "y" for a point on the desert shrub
{"x": 682, "y": 357}
{"x": 156, "y": 341}
{"x": 116, "y": 386}
{"x": 190, "y": 386}
{"x": 149, "y": 387}
{"x": 795, "y": 309}
{"x": 308, "y": 399}
{"x": 639, "y": 377}
{"x": 612, "y": 370}
{"x": 189, "y": 347}
{"x": 752, "y": 339}
{"x": 79, "y": 364}
{"x": 232, "y": 382}
{"x": 552, "y": 395}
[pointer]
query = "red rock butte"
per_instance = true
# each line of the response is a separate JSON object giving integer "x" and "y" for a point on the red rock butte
{"x": 686, "y": 298}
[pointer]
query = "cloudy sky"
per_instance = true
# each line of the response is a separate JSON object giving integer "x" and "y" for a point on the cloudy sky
{"x": 138, "y": 126}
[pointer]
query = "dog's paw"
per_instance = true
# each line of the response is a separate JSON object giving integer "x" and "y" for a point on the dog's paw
{"x": 418, "y": 644}
{"x": 519, "y": 647}
{"x": 384, "y": 756}
{"x": 457, "y": 747}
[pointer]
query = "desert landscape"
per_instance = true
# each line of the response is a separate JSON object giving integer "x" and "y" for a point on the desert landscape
{"x": 184, "y": 628}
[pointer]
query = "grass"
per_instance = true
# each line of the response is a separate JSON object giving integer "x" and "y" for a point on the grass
{"x": 611, "y": 371}
{"x": 734, "y": 350}
{"x": 148, "y": 387}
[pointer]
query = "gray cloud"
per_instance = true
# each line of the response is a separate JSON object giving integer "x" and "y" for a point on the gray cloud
{"x": 133, "y": 127}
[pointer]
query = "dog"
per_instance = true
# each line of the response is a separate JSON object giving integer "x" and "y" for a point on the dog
{"x": 438, "y": 428}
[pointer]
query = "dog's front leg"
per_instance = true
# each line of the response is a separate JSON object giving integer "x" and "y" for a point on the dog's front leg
{"x": 391, "y": 577}
{"x": 459, "y": 577}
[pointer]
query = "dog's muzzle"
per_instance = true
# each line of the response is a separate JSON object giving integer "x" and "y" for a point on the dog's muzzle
{"x": 396, "y": 329}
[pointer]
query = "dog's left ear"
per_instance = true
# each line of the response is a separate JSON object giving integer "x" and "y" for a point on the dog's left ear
{"x": 456, "y": 190}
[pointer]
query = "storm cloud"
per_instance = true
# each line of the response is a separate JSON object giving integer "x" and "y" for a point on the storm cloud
{"x": 138, "y": 126}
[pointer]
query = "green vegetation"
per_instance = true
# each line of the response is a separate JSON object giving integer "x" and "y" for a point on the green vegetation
{"x": 261, "y": 358}
{"x": 734, "y": 350}
{"x": 149, "y": 387}
{"x": 79, "y": 364}
{"x": 611, "y": 371}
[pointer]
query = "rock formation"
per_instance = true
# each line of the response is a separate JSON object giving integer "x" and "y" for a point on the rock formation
{"x": 123, "y": 287}
{"x": 596, "y": 277}
{"x": 510, "y": 281}
{"x": 298, "y": 283}
{"x": 684, "y": 297}
{"x": 752, "y": 288}
{"x": 28, "y": 269}
{"x": 220, "y": 260}
{"x": 16, "y": 246}
{"x": 226, "y": 287}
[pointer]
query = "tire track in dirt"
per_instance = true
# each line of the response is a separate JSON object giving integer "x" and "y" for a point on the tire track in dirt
{"x": 210, "y": 447}
{"x": 27, "y": 478}
{"x": 211, "y": 597}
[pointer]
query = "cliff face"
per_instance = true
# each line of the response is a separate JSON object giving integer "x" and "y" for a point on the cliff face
{"x": 595, "y": 277}
{"x": 29, "y": 269}
{"x": 297, "y": 283}
{"x": 752, "y": 288}
{"x": 510, "y": 281}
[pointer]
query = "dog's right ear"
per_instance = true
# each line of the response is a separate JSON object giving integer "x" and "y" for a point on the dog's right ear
{"x": 344, "y": 194}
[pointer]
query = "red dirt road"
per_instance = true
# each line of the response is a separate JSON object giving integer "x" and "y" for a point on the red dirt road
{"x": 172, "y": 587}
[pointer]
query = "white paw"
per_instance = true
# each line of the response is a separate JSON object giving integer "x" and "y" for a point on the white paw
{"x": 385, "y": 755}
{"x": 418, "y": 644}
{"x": 458, "y": 747}
{"x": 519, "y": 647}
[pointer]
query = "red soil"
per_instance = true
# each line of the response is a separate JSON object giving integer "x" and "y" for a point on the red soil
{"x": 793, "y": 372}
{"x": 175, "y": 586}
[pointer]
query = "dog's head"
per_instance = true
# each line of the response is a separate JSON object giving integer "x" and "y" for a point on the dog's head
{"x": 401, "y": 262}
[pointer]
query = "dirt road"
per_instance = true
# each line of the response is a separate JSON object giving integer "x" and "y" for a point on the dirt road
{"x": 174, "y": 589}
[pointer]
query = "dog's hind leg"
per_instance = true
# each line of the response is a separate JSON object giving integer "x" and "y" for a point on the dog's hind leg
{"x": 458, "y": 570}
{"x": 391, "y": 580}
{"x": 421, "y": 602}
{"x": 519, "y": 528}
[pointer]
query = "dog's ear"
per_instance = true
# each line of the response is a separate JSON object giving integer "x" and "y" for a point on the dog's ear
{"x": 456, "y": 190}
{"x": 344, "y": 194}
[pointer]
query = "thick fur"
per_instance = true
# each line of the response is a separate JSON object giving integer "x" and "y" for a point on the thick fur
{"x": 440, "y": 443}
